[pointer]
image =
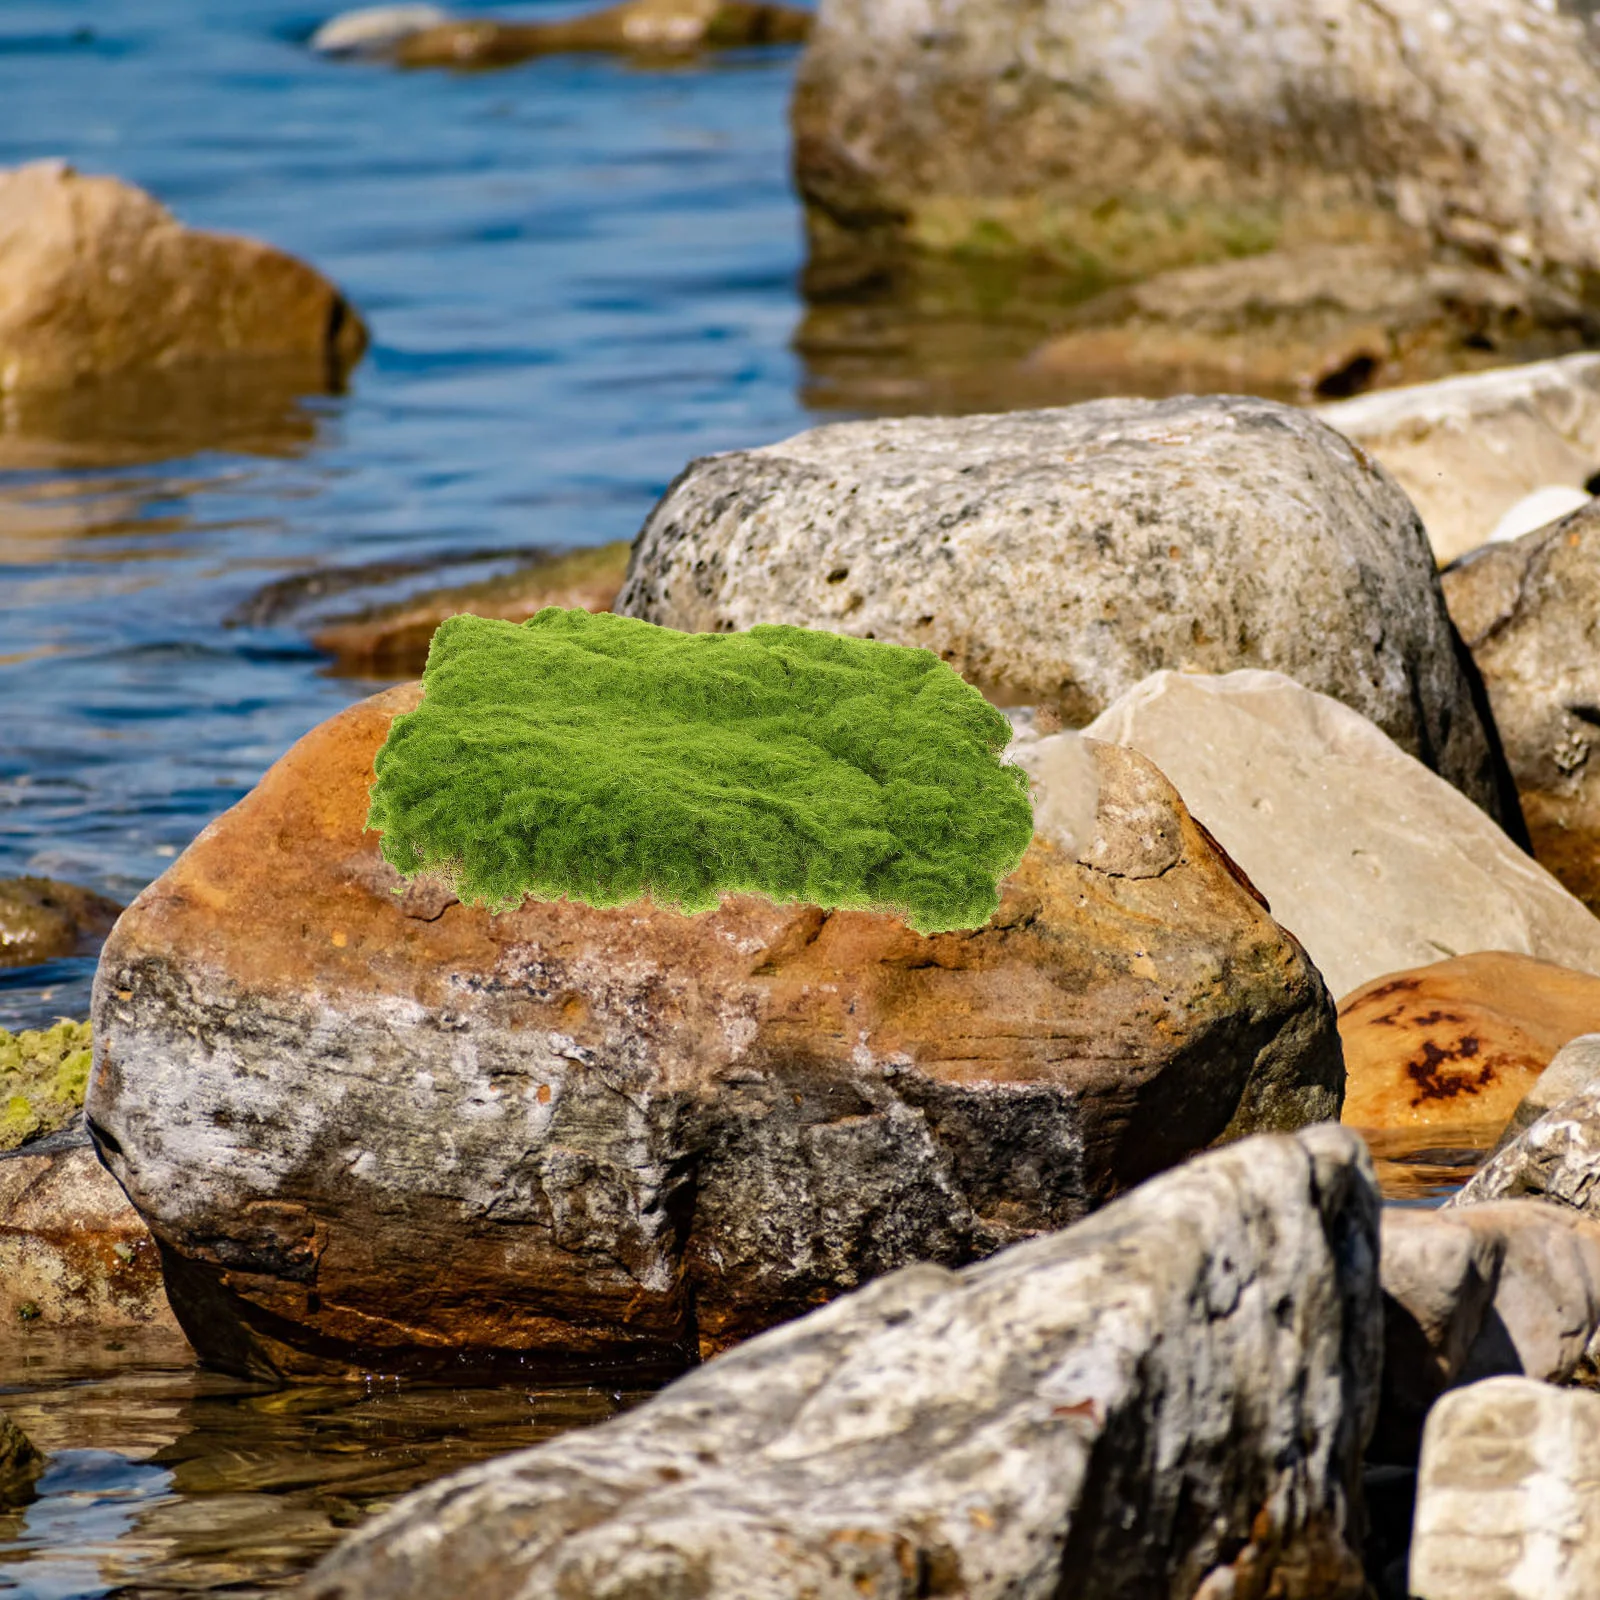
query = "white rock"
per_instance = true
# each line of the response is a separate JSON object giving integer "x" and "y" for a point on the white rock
{"x": 375, "y": 30}
{"x": 1545, "y": 505}
{"x": 1374, "y": 863}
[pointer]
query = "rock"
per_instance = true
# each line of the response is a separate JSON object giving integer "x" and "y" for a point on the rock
{"x": 377, "y": 1130}
{"x": 43, "y": 919}
{"x": 1057, "y": 557}
{"x": 99, "y": 279}
{"x": 43, "y": 1074}
{"x": 1538, "y": 510}
{"x": 1505, "y": 1288}
{"x": 20, "y": 1465}
{"x": 73, "y": 1252}
{"x": 1323, "y": 322}
{"x": 392, "y": 641}
{"x": 1219, "y": 131}
{"x": 1169, "y": 1398}
{"x": 1530, "y": 610}
{"x": 638, "y": 27}
{"x": 1574, "y": 1068}
{"x": 1555, "y": 1158}
{"x": 1508, "y": 1499}
{"x": 1371, "y": 861}
{"x": 1468, "y": 449}
{"x": 1459, "y": 1042}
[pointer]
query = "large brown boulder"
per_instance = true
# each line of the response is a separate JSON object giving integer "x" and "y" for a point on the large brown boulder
{"x": 98, "y": 279}
{"x": 380, "y": 1129}
{"x": 1530, "y": 611}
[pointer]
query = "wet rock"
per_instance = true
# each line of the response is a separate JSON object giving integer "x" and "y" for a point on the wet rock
{"x": 1508, "y": 1499}
{"x": 956, "y": 132}
{"x": 1057, "y": 557}
{"x": 392, "y": 641}
{"x": 1467, "y": 449}
{"x": 20, "y": 1465}
{"x": 1371, "y": 861}
{"x": 1574, "y": 1068}
{"x": 73, "y": 1252}
{"x": 382, "y": 1130}
{"x": 97, "y": 279}
{"x": 419, "y": 36}
{"x": 1459, "y": 1042}
{"x": 1555, "y": 1158}
{"x": 1530, "y": 610}
{"x": 43, "y": 919}
{"x": 1510, "y": 1287}
{"x": 1169, "y": 1398}
{"x": 43, "y": 1074}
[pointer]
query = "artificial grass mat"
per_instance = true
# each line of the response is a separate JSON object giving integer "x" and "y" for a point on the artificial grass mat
{"x": 604, "y": 759}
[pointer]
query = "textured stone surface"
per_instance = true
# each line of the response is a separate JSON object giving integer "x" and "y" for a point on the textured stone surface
{"x": 1467, "y": 449}
{"x": 1574, "y": 1068}
{"x": 73, "y": 1252}
{"x": 1460, "y": 1041}
{"x": 99, "y": 279}
{"x": 1508, "y": 1498}
{"x": 20, "y": 1464}
{"x": 1530, "y": 611}
{"x": 1371, "y": 861}
{"x": 1556, "y": 1158}
{"x": 1503, "y": 1287}
{"x": 386, "y": 1130}
{"x": 43, "y": 919}
{"x": 1057, "y": 557}
{"x": 1167, "y": 1399}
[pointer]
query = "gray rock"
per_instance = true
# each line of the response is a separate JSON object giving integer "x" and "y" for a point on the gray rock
{"x": 1057, "y": 557}
{"x": 1555, "y": 1158}
{"x": 1530, "y": 611}
{"x": 1508, "y": 1496}
{"x": 1468, "y": 449}
{"x": 1371, "y": 861}
{"x": 1510, "y": 1287}
{"x": 1574, "y": 1068}
{"x": 1167, "y": 1399}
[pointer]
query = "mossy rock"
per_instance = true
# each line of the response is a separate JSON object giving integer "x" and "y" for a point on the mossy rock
{"x": 604, "y": 759}
{"x": 43, "y": 1075}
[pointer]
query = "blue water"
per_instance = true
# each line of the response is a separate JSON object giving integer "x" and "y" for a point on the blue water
{"x": 578, "y": 274}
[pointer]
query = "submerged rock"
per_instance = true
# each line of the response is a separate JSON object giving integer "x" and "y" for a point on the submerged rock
{"x": 379, "y": 1130}
{"x": 1508, "y": 1497}
{"x": 97, "y": 279}
{"x": 1468, "y": 449}
{"x": 1370, "y": 860}
{"x": 1530, "y": 611}
{"x": 1170, "y": 1398}
{"x": 43, "y": 919}
{"x": 1459, "y": 1042}
{"x": 1058, "y": 557}
{"x": 20, "y": 1465}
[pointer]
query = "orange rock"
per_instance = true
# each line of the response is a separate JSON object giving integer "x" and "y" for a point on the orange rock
{"x": 1457, "y": 1044}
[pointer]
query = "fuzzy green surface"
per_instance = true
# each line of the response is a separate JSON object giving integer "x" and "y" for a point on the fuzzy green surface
{"x": 43, "y": 1075}
{"x": 603, "y": 759}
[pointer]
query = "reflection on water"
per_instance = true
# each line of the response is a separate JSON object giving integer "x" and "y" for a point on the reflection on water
{"x": 163, "y": 1479}
{"x": 1424, "y": 1167}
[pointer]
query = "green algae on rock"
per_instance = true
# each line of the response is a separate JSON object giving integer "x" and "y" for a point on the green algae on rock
{"x": 43, "y": 1074}
{"x": 603, "y": 759}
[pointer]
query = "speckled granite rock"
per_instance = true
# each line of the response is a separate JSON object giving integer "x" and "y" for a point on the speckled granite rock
{"x": 381, "y": 1131}
{"x": 1167, "y": 1399}
{"x": 1057, "y": 557}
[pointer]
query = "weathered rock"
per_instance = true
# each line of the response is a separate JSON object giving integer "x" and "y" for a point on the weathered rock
{"x": 1218, "y": 131}
{"x": 1508, "y": 1498}
{"x": 392, "y": 641}
{"x": 1574, "y": 1068}
{"x": 1468, "y": 448}
{"x": 98, "y": 279}
{"x": 384, "y": 1130}
{"x": 1371, "y": 861}
{"x": 421, "y": 36}
{"x": 1167, "y": 1399}
{"x": 1505, "y": 1288}
{"x": 1530, "y": 611}
{"x": 43, "y": 919}
{"x": 1458, "y": 1042}
{"x": 1555, "y": 1158}
{"x": 73, "y": 1252}
{"x": 20, "y": 1465}
{"x": 1057, "y": 557}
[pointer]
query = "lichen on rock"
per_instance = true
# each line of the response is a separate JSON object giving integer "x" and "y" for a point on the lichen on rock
{"x": 43, "y": 1075}
{"x": 602, "y": 759}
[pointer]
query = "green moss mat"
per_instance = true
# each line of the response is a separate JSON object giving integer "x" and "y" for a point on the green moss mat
{"x": 43, "y": 1075}
{"x": 603, "y": 759}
